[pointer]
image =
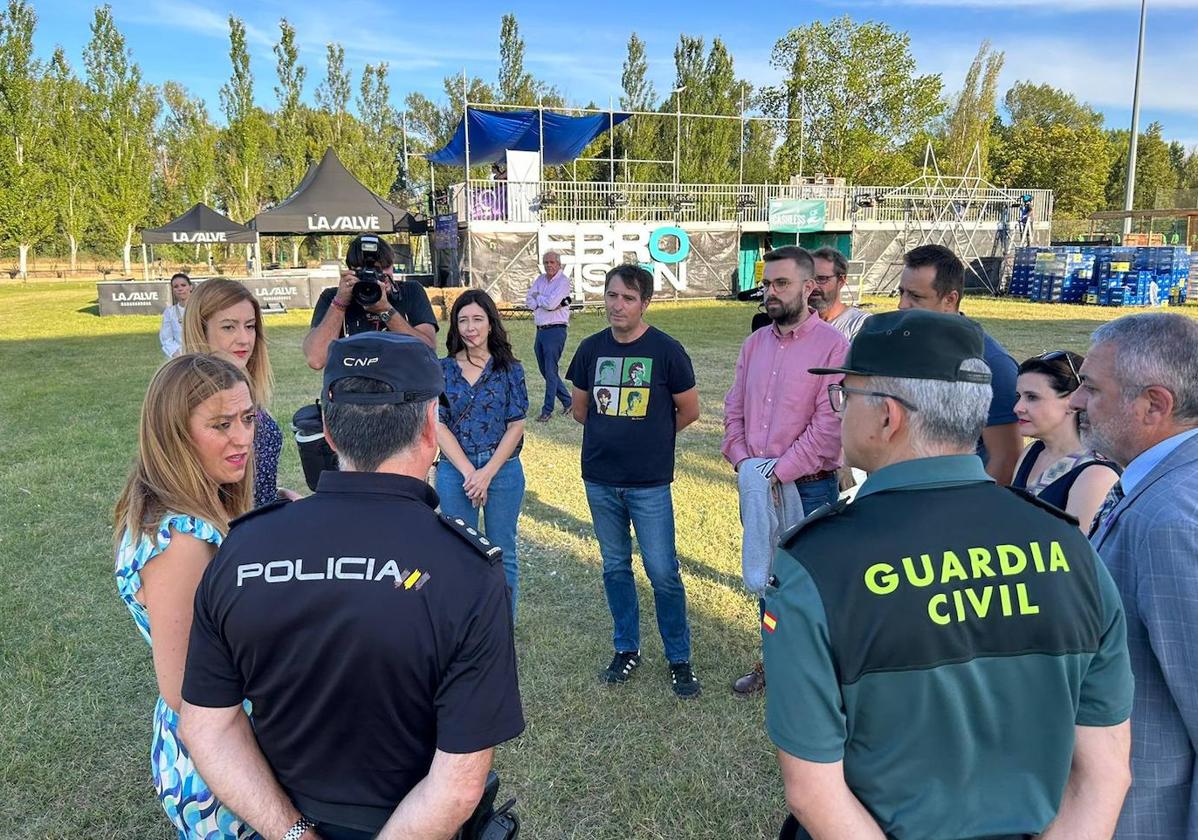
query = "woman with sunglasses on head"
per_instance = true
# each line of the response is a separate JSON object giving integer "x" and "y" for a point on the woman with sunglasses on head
{"x": 1056, "y": 466}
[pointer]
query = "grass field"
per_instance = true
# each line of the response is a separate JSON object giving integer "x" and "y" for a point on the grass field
{"x": 76, "y": 682}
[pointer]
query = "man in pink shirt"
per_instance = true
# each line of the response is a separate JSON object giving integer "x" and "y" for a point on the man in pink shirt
{"x": 780, "y": 432}
{"x": 549, "y": 300}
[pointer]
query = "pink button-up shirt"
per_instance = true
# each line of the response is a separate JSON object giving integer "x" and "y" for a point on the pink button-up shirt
{"x": 776, "y": 409}
{"x": 545, "y": 299}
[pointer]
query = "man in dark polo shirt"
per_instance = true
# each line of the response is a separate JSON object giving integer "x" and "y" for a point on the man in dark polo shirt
{"x": 403, "y": 309}
{"x": 934, "y": 279}
{"x": 947, "y": 657}
{"x": 382, "y": 671}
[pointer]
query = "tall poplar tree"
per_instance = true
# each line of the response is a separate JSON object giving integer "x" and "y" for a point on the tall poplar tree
{"x": 70, "y": 166}
{"x": 243, "y": 144}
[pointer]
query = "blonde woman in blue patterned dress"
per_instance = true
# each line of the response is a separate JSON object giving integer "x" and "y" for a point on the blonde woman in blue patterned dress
{"x": 192, "y": 475}
{"x": 224, "y": 317}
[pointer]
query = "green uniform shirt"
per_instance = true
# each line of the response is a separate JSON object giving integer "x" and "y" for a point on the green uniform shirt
{"x": 942, "y": 636}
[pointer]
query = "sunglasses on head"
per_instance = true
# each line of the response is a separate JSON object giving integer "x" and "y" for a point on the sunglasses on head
{"x": 1054, "y": 355}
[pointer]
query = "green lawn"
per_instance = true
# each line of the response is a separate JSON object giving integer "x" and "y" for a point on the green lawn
{"x": 76, "y": 682}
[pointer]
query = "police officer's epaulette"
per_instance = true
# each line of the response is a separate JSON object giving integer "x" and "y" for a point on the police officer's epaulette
{"x": 489, "y": 551}
{"x": 258, "y": 511}
{"x": 819, "y": 513}
{"x": 1043, "y": 505}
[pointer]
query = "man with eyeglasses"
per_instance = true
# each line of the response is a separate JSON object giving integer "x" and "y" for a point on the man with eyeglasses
{"x": 831, "y": 275}
{"x": 780, "y": 433}
{"x": 947, "y": 657}
{"x": 934, "y": 279}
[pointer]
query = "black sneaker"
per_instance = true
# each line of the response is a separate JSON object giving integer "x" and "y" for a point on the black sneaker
{"x": 621, "y": 667}
{"x": 683, "y": 680}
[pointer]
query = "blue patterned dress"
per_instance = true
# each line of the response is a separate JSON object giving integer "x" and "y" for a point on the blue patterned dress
{"x": 268, "y": 446}
{"x": 188, "y": 802}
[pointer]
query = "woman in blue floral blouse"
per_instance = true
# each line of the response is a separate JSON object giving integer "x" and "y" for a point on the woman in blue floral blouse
{"x": 481, "y": 427}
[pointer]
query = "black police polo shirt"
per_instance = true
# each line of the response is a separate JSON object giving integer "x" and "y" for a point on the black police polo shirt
{"x": 407, "y": 296}
{"x": 367, "y": 631}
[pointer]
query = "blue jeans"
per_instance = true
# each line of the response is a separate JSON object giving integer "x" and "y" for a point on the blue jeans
{"x": 500, "y": 513}
{"x": 548, "y": 347}
{"x": 650, "y": 510}
{"x": 816, "y": 494}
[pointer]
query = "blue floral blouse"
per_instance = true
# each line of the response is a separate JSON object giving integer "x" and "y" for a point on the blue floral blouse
{"x": 478, "y": 414}
{"x": 268, "y": 447}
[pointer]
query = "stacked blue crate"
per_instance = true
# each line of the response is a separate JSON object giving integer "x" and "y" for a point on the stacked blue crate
{"x": 1049, "y": 276}
{"x": 1104, "y": 275}
{"x": 1023, "y": 272}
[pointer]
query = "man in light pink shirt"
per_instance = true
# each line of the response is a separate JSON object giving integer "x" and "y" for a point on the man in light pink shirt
{"x": 549, "y": 300}
{"x": 780, "y": 433}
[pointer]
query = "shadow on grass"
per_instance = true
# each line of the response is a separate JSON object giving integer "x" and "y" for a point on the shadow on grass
{"x": 94, "y": 309}
{"x": 552, "y": 516}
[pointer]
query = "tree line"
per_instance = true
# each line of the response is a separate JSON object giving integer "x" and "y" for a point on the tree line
{"x": 91, "y": 153}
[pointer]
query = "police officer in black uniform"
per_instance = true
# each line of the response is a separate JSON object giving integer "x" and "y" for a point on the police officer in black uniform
{"x": 947, "y": 657}
{"x": 372, "y": 636}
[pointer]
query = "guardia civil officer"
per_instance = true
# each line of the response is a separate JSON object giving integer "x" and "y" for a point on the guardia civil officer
{"x": 373, "y": 637}
{"x": 947, "y": 657}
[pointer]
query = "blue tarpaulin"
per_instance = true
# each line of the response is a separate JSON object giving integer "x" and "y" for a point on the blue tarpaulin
{"x": 494, "y": 132}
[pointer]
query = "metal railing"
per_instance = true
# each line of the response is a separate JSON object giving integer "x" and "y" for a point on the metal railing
{"x": 596, "y": 201}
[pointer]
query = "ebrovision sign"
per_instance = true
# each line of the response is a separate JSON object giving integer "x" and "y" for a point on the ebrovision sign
{"x": 588, "y": 251}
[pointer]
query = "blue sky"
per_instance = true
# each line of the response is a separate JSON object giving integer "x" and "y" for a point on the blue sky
{"x": 1085, "y": 46}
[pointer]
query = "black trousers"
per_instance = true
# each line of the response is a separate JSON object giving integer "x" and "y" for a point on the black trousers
{"x": 337, "y": 832}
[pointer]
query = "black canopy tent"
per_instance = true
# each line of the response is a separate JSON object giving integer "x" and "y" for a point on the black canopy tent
{"x": 331, "y": 201}
{"x": 201, "y": 225}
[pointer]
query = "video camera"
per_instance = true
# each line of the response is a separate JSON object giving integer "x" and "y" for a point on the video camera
{"x": 369, "y": 289}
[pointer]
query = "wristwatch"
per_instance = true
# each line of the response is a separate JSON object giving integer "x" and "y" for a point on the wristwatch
{"x": 298, "y": 830}
{"x": 386, "y": 316}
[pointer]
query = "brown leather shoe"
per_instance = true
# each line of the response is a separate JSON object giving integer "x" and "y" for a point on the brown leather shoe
{"x": 751, "y": 683}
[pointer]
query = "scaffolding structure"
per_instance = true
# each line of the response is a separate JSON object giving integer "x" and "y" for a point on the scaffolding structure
{"x": 948, "y": 210}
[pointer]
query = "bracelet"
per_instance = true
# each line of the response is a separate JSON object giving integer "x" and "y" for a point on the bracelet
{"x": 299, "y": 829}
{"x": 340, "y": 305}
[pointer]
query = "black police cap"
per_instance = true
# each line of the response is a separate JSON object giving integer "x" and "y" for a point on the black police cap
{"x": 915, "y": 344}
{"x": 405, "y": 363}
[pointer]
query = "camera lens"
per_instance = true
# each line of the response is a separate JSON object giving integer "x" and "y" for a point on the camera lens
{"x": 369, "y": 289}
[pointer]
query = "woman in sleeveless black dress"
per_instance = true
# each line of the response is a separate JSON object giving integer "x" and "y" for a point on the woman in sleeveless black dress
{"x": 1055, "y": 466}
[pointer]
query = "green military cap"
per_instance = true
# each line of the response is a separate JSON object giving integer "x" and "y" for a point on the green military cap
{"x": 915, "y": 344}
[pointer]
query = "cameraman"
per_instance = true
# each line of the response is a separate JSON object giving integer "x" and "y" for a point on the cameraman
{"x": 382, "y": 671}
{"x": 404, "y": 308}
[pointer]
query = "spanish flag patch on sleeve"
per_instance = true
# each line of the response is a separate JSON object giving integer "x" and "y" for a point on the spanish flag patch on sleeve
{"x": 769, "y": 622}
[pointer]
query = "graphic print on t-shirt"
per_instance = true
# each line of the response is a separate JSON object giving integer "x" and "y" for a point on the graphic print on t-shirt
{"x": 637, "y": 372}
{"x": 634, "y": 402}
{"x": 607, "y": 370}
{"x": 621, "y": 386}
{"x": 607, "y": 399}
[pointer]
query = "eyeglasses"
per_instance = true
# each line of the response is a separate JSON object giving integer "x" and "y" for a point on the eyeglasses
{"x": 1054, "y": 355}
{"x": 825, "y": 279}
{"x": 778, "y": 285}
{"x": 836, "y": 397}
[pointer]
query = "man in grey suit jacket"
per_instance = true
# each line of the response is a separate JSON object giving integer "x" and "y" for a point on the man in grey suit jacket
{"x": 1138, "y": 405}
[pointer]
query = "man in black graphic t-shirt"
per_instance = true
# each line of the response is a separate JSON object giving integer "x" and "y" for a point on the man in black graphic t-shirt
{"x": 628, "y": 465}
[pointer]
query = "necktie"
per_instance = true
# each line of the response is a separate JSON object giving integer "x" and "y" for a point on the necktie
{"x": 1112, "y": 500}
